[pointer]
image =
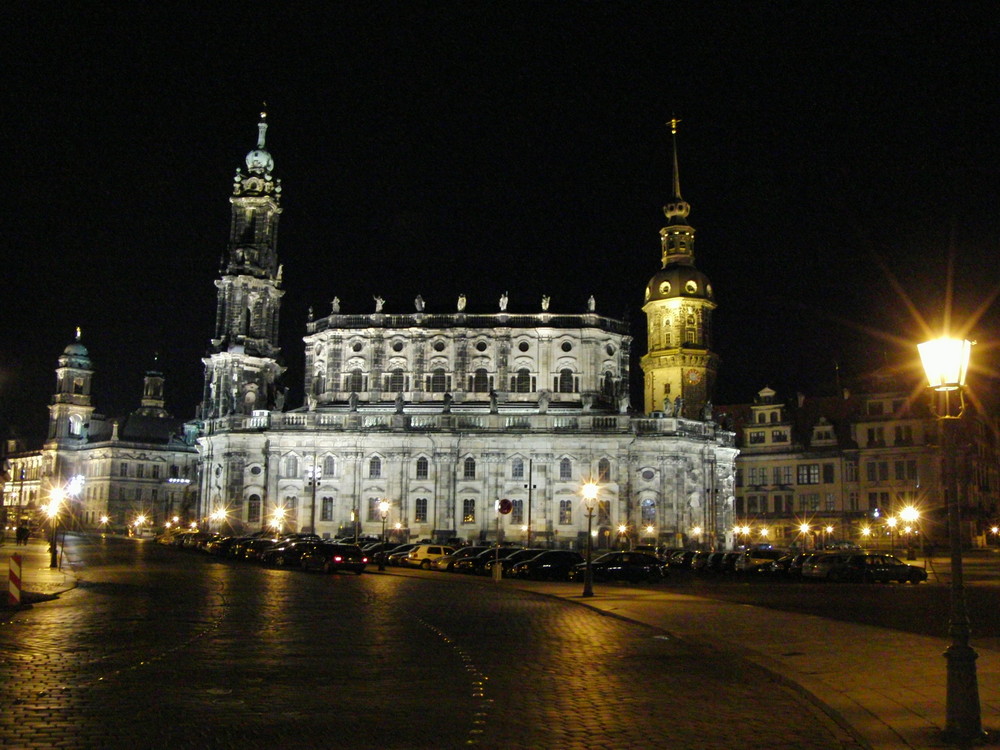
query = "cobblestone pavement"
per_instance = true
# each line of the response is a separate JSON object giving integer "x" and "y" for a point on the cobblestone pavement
{"x": 164, "y": 648}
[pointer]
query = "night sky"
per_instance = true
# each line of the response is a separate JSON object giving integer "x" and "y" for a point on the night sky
{"x": 445, "y": 148}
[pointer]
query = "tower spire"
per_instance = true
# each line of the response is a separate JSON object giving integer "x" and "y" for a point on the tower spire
{"x": 677, "y": 174}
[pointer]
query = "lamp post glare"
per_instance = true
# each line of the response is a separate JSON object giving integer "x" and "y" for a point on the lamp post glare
{"x": 589, "y": 492}
{"x": 946, "y": 363}
{"x": 56, "y": 497}
{"x": 383, "y": 509}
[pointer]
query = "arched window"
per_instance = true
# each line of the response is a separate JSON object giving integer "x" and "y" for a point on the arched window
{"x": 291, "y": 466}
{"x": 774, "y": 417}
{"x": 396, "y": 381}
{"x": 481, "y": 381}
{"x": 521, "y": 382}
{"x": 604, "y": 470}
{"x": 422, "y": 468}
{"x": 608, "y": 386}
{"x": 439, "y": 380}
{"x": 648, "y": 512}
{"x": 565, "y": 512}
{"x": 566, "y": 381}
{"x": 76, "y": 425}
{"x": 329, "y": 466}
{"x": 354, "y": 381}
{"x": 517, "y": 469}
{"x": 253, "y": 509}
{"x": 565, "y": 469}
{"x": 469, "y": 468}
{"x": 375, "y": 468}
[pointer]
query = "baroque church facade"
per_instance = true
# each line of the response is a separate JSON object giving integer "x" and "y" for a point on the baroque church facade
{"x": 443, "y": 413}
{"x": 113, "y": 472}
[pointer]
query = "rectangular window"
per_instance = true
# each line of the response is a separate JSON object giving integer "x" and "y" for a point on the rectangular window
{"x": 827, "y": 473}
{"x": 757, "y": 437}
{"x": 603, "y": 512}
{"x": 140, "y": 471}
{"x": 852, "y": 500}
{"x": 420, "y": 510}
{"x": 123, "y": 469}
{"x": 808, "y": 473}
{"x": 517, "y": 513}
{"x": 779, "y": 436}
{"x": 253, "y": 509}
{"x": 565, "y": 512}
{"x": 851, "y": 471}
{"x": 871, "y": 470}
{"x": 911, "y": 470}
{"x": 326, "y": 514}
{"x": 900, "y": 470}
{"x": 751, "y": 504}
{"x": 831, "y": 502}
{"x": 739, "y": 477}
{"x": 883, "y": 471}
{"x": 373, "y": 514}
{"x": 468, "y": 511}
{"x": 156, "y": 471}
{"x": 872, "y": 500}
{"x": 517, "y": 469}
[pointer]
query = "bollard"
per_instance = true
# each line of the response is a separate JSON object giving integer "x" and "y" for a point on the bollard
{"x": 14, "y": 581}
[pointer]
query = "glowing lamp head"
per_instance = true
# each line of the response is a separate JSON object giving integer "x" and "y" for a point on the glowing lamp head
{"x": 622, "y": 529}
{"x": 589, "y": 492}
{"x": 909, "y": 514}
{"x": 891, "y": 522}
{"x": 804, "y": 528}
{"x": 946, "y": 362}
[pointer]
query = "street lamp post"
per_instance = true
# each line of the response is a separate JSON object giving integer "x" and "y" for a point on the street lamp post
{"x": 891, "y": 523}
{"x": 589, "y": 501}
{"x": 313, "y": 475}
{"x": 52, "y": 511}
{"x": 946, "y": 362}
{"x": 383, "y": 509}
{"x": 910, "y": 516}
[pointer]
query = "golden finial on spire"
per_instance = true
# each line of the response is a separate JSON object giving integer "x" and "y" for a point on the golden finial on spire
{"x": 78, "y": 333}
{"x": 673, "y": 122}
{"x": 263, "y": 110}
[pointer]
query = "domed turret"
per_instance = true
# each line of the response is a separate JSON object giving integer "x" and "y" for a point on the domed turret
{"x": 259, "y": 160}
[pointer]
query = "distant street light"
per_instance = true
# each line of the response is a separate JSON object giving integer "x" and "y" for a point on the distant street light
{"x": 946, "y": 362}
{"x": 589, "y": 492}
{"x": 383, "y": 509}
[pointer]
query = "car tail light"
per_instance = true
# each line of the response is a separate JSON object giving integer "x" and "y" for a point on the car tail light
{"x": 338, "y": 558}
{"x": 364, "y": 559}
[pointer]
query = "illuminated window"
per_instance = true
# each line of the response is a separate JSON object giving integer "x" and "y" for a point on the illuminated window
{"x": 565, "y": 512}
{"x": 420, "y": 510}
{"x": 326, "y": 514}
{"x": 468, "y": 510}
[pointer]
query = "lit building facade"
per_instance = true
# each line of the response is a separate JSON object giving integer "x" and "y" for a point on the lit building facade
{"x": 444, "y": 411}
{"x": 844, "y": 466}
{"x": 144, "y": 465}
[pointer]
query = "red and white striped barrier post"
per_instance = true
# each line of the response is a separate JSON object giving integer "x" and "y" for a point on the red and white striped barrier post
{"x": 14, "y": 581}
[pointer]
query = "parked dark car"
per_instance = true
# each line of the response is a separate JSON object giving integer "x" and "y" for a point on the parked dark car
{"x": 477, "y": 563}
{"x": 714, "y": 562}
{"x": 397, "y": 554}
{"x": 286, "y": 553}
{"x": 863, "y": 567}
{"x": 448, "y": 561}
{"x": 758, "y": 560}
{"x": 681, "y": 559}
{"x": 508, "y": 562}
{"x": 700, "y": 561}
{"x": 553, "y": 564}
{"x": 333, "y": 558}
{"x": 634, "y": 567}
{"x": 220, "y": 545}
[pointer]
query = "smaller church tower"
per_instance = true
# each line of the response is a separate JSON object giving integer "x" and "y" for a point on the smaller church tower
{"x": 153, "y": 403}
{"x": 242, "y": 367}
{"x": 71, "y": 407}
{"x": 679, "y": 367}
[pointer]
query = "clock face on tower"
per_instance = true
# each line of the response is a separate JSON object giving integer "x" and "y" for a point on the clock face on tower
{"x": 693, "y": 377}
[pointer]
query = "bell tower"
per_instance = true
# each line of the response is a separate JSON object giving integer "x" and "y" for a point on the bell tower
{"x": 243, "y": 363}
{"x": 71, "y": 407}
{"x": 679, "y": 367}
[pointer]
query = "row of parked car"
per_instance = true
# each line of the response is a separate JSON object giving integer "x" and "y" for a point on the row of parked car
{"x": 305, "y": 551}
{"x": 855, "y": 565}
